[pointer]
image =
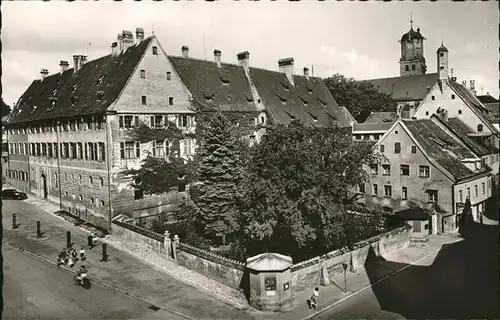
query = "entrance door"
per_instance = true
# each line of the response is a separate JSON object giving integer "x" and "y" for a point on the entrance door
{"x": 44, "y": 186}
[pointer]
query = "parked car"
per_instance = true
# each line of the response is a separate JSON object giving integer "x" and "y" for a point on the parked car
{"x": 13, "y": 194}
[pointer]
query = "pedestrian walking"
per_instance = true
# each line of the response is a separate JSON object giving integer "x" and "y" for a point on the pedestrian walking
{"x": 90, "y": 241}
{"x": 94, "y": 240}
{"x": 71, "y": 262}
{"x": 315, "y": 298}
{"x": 82, "y": 254}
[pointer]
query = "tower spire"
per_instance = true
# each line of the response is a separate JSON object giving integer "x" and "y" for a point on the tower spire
{"x": 411, "y": 20}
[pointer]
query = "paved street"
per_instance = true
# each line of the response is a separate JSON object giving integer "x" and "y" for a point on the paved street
{"x": 461, "y": 281}
{"x": 37, "y": 290}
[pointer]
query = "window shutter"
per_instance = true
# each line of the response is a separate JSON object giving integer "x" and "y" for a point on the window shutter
{"x": 179, "y": 121}
{"x": 152, "y": 118}
{"x": 136, "y": 121}
{"x": 186, "y": 146}
{"x": 138, "y": 149}
{"x": 122, "y": 150}
{"x": 120, "y": 122}
{"x": 181, "y": 147}
{"x": 154, "y": 148}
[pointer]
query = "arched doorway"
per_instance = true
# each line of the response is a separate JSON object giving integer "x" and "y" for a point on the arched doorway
{"x": 44, "y": 186}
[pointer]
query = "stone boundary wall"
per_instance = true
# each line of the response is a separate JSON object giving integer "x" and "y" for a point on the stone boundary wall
{"x": 227, "y": 271}
{"x": 129, "y": 232}
{"x": 307, "y": 274}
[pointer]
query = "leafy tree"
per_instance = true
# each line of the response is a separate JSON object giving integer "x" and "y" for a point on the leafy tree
{"x": 360, "y": 98}
{"x": 219, "y": 175}
{"x": 294, "y": 192}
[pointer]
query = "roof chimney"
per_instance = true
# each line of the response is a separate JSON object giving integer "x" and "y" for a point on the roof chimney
{"x": 244, "y": 60}
{"x": 119, "y": 39}
{"x": 464, "y": 83}
{"x": 139, "y": 34}
{"x": 115, "y": 51}
{"x": 83, "y": 60}
{"x": 306, "y": 73}
{"x": 185, "y": 51}
{"x": 76, "y": 63}
{"x": 44, "y": 73}
{"x": 286, "y": 66}
{"x": 454, "y": 79}
{"x": 128, "y": 39}
{"x": 217, "y": 57}
{"x": 473, "y": 86}
{"x": 64, "y": 65}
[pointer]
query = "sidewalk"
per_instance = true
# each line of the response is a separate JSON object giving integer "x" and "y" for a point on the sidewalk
{"x": 122, "y": 271}
{"x": 128, "y": 271}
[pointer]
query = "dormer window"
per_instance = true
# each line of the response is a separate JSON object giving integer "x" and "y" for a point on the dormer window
{"x": 303, "y": 100}
{"x": 224, "y": 80}
{"x": 314, "y": 118}
{"x": 99, "y": 81}
{"x": 54, "y": 92}
{"x": 155, "y": 50}
{"x": 100, "y": 94}
{"x": 285, "y": 86}
{"x": 248, "y": 97}
{"x": 34, "y": 108}
{"x": 291, "y": 117}
{"x": 309, "y": 90}
{"x": 74, "y": 88}
{"x": 283, "y": 99}
{"x": 322, "y": 102}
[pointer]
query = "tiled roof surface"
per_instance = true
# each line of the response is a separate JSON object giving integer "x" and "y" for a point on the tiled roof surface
{"x": 76, "y": 93}
{"x": 440, "y": 146}
{"x": 487, "y": 99}
{"x": 379, "y": 117}
{"x": 309, "y": 101}
{"x": 405, "y": 88}
{"x": 462, "y": 130}
{"x": 384, "y": 126}
{"x": 472, "y": 101}
{"x": 225, "y": 88}
{"x": 347, "y": 114}
{"x": 494, "y": 108}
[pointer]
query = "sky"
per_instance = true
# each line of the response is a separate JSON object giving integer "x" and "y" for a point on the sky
{"x": 356, "y": 39}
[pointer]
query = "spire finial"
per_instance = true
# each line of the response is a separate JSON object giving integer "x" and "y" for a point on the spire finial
{"x": 411, "y": 20}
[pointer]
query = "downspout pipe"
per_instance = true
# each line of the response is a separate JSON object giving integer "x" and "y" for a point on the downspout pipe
{"x": 58, "y": 126}
{"x": 109, "y": 149}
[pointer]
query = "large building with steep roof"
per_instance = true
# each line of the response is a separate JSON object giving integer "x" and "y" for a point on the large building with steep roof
{"x": 68, "y": 134}
{"x": 427, "y": 164}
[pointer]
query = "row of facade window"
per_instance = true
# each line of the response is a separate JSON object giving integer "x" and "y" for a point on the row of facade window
{"x": 373, "y": 137}
{"x": 68, "y": 177}
{"x": 397, "y": 147}
{"x": 17, "y": 175}
{"x": 404, "y": 170}
{"x": 159, "y": 148}
{"x": 431, "y": 194}
{"x": 144, "y": 100}
{"x": 143, "y": 74}
{"x": 94, "y": 151}
{"x": 156, "y": 121}
{"x": 81, "y": 124}
{"x": 452, "y": 98}
{"x": 93, "y": 201}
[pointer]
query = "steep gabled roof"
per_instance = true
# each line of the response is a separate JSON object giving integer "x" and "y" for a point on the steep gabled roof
{"x": 308, "y": 100}
{"x": 487, "y": 99}
{"x": 471, "y": 100}
{"x": 348, "y": 115}
{"x": 441, "y": 147}
{"x": 381, "y": 117}
{"x": 494, "y": 108}
{"x": 77, "y": 93}
{"x": 383, "y": 126}
{"x": 405, "y": 88}
{"x": 225, "y": 88}
{"x": 462, "y": 130}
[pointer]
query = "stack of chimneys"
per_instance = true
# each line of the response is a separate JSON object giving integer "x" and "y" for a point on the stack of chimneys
{"x": 125, "y": 40}
{"x": 306, "y": 72}
{"x": 185, "y": 51}
{"x": 64, "y": 66}
{"x": 217, "y": 57}
{"x": 286, "y": 66}
{"x": 78, "y": 62}
{"x": 44, "y": 73}
{"x": 473, "y": 86}
{"x": 244, "y": 60}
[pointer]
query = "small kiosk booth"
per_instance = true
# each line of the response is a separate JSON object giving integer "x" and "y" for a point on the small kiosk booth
{"x": 421, "y": 222}
{"x": 270, "y": 282}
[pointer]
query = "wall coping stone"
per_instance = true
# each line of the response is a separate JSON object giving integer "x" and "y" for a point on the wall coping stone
{"x": 145, "y": 232}
{"x": 341, "y": 251}
{"x": 211, "y": 256}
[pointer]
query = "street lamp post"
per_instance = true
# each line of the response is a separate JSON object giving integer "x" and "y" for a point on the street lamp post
{"x": 344, "y": 265}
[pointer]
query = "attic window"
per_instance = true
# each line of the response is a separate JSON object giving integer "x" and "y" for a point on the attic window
{"x": 75, "y": 87}
{"x": 285, "y": 85}
{"x": 155, "y": 50}
{"x": 74, "y": 99}
{"x": 304, "y": 101}
{"x": 315, "y": 119}
{"x": 100, "y": 94}
{"x": 283, "y": 100}
{"x": 224, "y": 80}
{"x": 322, "y": 102}
{"x": 452, "y": 96}
{"x": 309, "y": 90}
{"x": 248, "y": 97}
{"x": 34, "y": 108}
{"x": 54, "y": 92}
{"x": 291, "y": 117}
{"x": 100, "y": 80}
{"x": 208, "y": 96}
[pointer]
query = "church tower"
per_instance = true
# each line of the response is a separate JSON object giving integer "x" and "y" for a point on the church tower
{"x": 412, "y": 61}
{"x": 442, "y": 63}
